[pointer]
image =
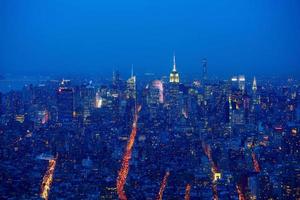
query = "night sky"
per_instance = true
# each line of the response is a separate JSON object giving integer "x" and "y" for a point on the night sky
{"x": 254, "y": 37}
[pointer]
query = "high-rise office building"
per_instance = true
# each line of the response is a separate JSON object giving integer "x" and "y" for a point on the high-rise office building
{"x": 88, "y": 100}
{"x": 131, "y": 98}
{"x": 13, "y": 103}
{"x": 174, "y": 75}
{"x": 157, "y": 90}
{"x": 242, "y": 82}
{"x": 65, "y": 104}
{"x": 98, "y": 100}
{"x": 131, "y": 87}
{"x": 239, "y": 82}
{"x": 173, "y": 94}
{"x": 116, "y": 81}
{"x": 155, "y": 97}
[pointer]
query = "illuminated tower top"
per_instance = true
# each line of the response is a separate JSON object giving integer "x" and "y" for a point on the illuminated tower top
{"x": 131, "y": 85}
{"x": 174, "y": 64}
{"x": 254, "y": 85}
{"x": 174, "y": 76}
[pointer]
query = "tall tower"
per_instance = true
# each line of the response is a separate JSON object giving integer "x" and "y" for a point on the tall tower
{"x": 174, "y": 76}
{"x": 65, "y": 104}
{"x": 254, "y": 85}
{"x": 131, "y": 98}
{"x": 242, "y": 82}
{"x": 88, "y": 99}
{"x": 254, "y": 90}
{"x": 116, "y": 77}
{"x": 204, "y": 69}
{"x": 131, "y": 86}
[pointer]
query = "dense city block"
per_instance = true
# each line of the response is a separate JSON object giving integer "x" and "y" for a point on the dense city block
{"x": 152, "y": 138}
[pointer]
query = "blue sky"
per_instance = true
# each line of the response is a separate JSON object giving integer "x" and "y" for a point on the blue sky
{"x": 255, "y": 37}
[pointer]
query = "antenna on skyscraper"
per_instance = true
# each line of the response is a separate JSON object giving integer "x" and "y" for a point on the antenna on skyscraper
{"x": 204, "y": 69}
{"x": 174, "y": 62}
{"x": 254, "y": 85}
{"x": 131, "y": 70}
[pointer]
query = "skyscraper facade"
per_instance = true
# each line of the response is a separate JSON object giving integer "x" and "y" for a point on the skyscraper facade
{"x": 65, "y": 104}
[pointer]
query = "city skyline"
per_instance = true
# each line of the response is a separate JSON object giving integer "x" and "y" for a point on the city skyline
{"x": 128, "y": 139}
{"x": 149, "y": 99}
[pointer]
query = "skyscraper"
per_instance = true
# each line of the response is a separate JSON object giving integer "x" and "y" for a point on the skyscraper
{"x": 65, "y": 104}
{"x": 155, "y": 97}
{"x": 156, "y": 92}
{"x": 88, "y": 100}
{"x": 254, "y": 85}
{"x": 116, "y": 80}
{"x": 173, "y": 95}
{"x": 98, "y": 100}
{"x": 130, "y": 97}
{"x": 131, "y": 88}
{"x": 204, "y": 70}
{"x": 242, "y": 82}
{"x": 254, "y": 92}
{"x": 174, "y": 75}
{"x": 239, "y": 82}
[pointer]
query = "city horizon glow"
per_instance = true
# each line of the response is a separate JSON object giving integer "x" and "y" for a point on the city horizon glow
{"x": 148, "y": 99}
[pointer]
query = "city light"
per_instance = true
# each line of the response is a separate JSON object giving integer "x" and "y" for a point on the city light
{"x": 98, "y": 101}
{"x": 144, "y": 100}
{"x": 20, "y": 118}
{"x": 214, "y": 170}
{"x": 122, "y": 175}
{"x": 47, "y": 179}
{"x": 217, "y": 176}
{"x": 241, "y": 194}
{"x": 255, "y": 163}
{"x": 159, "y": 85}
{"x": 163, "y": 186}
{"x": 187, "y": 192}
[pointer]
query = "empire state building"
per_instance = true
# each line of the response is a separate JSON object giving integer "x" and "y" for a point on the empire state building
{"x": 174, "y": 76}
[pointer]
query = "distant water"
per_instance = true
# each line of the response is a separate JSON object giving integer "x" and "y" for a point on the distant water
{"x": 17, "y": 83}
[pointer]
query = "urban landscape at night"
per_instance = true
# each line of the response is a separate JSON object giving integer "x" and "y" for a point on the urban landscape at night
{"x": 163, "y": 139}
{"x": 193, "y": 129}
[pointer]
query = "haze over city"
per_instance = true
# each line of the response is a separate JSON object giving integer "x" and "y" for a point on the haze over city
{"x": 140, "y": 100}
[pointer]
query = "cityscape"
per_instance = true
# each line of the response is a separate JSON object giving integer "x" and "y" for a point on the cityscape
{"x": 157, "y": 139}
{"x": 199, "y": 131}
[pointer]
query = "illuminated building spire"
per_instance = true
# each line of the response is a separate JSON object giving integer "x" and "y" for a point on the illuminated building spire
{"x": 174, "y": 63}
{"x": 254, "y": 85}
{"x": 174, "y": 76}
